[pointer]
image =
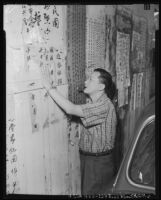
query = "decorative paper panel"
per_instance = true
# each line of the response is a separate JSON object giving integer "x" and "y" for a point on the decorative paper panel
{"x": 95, "y": 44}
{"x": 76, "y": 16}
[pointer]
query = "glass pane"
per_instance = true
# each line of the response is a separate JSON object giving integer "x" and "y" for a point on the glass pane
{"x": 142, "y": 169}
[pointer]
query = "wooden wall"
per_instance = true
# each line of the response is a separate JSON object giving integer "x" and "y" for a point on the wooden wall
{"x": 42, "y": 150}
{"x": 128, "y": 38}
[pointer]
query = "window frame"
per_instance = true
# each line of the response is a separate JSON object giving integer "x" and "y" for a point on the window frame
{"x": 148, "y": 121}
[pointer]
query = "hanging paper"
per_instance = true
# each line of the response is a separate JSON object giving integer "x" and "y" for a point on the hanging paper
{"x": 122, "y": 60}
{"x": 33, "y": 113}
{"x": 139, "y": 36}
{"x": 139, "y": 89}
{"x": 95, "y": 48}
{"x": 133, "y": 93}
{"x": 42, "y": 23}
{"x": 11, "y": 149}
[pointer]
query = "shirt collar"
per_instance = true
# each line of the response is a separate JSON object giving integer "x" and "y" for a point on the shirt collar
{"x": 102, "y": 97}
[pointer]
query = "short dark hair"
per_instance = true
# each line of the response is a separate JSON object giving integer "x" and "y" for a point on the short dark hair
{"x": 106, "y": 78}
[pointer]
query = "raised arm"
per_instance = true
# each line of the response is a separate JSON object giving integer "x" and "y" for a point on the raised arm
{"x": 64, "y": 103}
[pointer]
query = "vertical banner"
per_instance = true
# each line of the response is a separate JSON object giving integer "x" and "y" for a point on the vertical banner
{"x": 139, "y": 89}
{"x": 33, "y": 113}
{"x": 136, "y": 54}
{"x": 122, "y": 59}
{"x": 122, "y": 66}
{"x": 123, "y": 37}
{"x": 95, "y": 44}
{"x": 139, "y": 41}
{"x": 11, "y": 149}
{"x": 110, "y": 39}
{"x": 133, "y": 93}
{"x": 76, "y": 55}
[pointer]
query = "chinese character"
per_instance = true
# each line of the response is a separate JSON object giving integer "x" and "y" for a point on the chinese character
{"x": 12, "y": 139}
{"x": 12, "y": 125}
{"x": 56, "y": 23}
{"x": 30, "y": 11}
{"x": 47, "y": 31}
{"x": 59, "y": 64}
{"x": 14, "y": 186}
{"x": 46, "y": 7}
{"x": 46, "y": 17}
{"x": 14, "y": 170}
{"x": 14, "y": 158}
{"x": 51, "y": 58}
{"x": 59, "y": 81}
{"x": 12, "y": 150}
{"x": 34, "y": 111}
{"x": 51, "y": 50}
{"x": 58, "y": 56}
{"x": 55, "y": 11}
{"x": 25, "y": 21}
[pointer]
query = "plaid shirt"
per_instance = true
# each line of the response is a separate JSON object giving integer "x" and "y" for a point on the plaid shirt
{"x": 99, "y": 126}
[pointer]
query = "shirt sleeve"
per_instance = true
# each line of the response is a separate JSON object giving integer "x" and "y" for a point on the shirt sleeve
{"x": 94, "y": 113}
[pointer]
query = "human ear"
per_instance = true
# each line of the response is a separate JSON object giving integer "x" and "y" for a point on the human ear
{"x": 101, "y": 86}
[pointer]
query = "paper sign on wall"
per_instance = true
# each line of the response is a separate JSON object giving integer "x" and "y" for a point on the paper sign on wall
{"x": 122, "y": 67}
{"x": 38, "y": 56}
{"x": 11, "y": 151}
{"x": 42, "y": 23}
{"x": 95, "y": 44}
{"x": 133, "y": 93}
{"x": 139, "y": 89}
{"x": 122, "y": 60}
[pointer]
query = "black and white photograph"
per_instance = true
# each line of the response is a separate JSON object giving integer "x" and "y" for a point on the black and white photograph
{"x": 80, "y": 99}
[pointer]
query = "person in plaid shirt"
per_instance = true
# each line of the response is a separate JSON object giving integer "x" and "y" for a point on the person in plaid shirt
{"x": 99, "y": 129}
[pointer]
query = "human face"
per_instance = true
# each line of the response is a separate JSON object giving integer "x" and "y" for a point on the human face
{"x": 92, "y": 84}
